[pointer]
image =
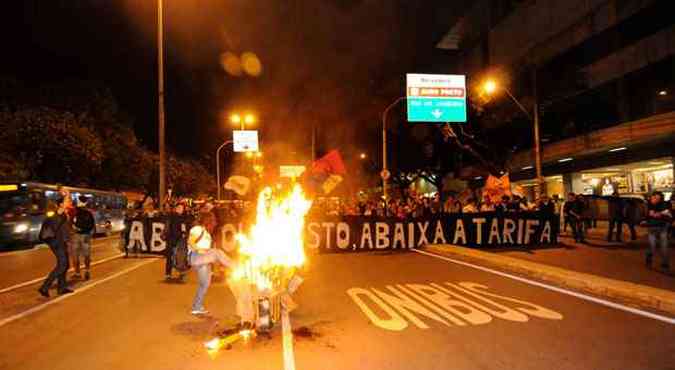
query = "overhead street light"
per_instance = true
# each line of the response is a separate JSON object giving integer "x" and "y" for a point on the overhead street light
{"x": 239, "y": 120}
{"x": 490, "y": 86}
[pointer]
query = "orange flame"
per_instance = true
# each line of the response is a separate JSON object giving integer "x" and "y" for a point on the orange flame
{"x": 274, "y": 245}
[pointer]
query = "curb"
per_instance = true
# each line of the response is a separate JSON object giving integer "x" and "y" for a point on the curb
{"x": 630, "y": 293}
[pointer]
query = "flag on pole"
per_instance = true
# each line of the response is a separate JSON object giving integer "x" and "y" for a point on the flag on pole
{"x": 238, "y": 184}
{"x": 325, "y": 173}
{"x": 496, "y": 187}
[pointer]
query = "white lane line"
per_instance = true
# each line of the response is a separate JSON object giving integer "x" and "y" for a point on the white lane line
{"x": 37, "y": 280}
{"x": 586, "y": 297}
{"x": 289, "y": 358}
{"x": 94, "y": 242}
{"x": 60, "y": 298}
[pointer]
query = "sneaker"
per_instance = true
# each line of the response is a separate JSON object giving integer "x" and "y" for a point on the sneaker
{"x": 86, "y": 275}
{"x": 199, "y": 312}
{"x": 65, "y": 291}
{"x": 44, "y": 292}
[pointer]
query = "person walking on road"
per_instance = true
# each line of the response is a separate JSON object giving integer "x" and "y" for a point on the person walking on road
{"x": 659, "y": 219}
{"x": 83, "y": 227}
{"x": 54, "y": 232}
{"x": 202, "y": 255}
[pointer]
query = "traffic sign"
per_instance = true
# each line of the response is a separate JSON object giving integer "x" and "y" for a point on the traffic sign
{"x": 436, "y": 98}
{"x": 384, "y": 174}
{"x": 245, "y": 140}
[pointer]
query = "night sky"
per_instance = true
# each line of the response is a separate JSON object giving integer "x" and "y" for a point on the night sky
{"x": 332, "y": 63}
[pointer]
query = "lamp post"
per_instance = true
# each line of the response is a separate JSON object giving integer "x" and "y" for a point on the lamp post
{"x": 160, "y": 102}
{"x": 490, "y": 87}
{"x": 218, "y": 164}
{"x": 384, "y": 144}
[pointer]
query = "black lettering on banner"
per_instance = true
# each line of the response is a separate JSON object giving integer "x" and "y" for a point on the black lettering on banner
{"x": 351, "y": 234}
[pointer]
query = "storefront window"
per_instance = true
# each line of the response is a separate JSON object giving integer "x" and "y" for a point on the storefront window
{"x": 605, "y": 183}
{"x": 646, "y": 181}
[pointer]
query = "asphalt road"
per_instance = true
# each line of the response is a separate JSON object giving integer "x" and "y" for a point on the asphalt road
{"x": 366, "y": 311}
{"x": 20, "y": 266}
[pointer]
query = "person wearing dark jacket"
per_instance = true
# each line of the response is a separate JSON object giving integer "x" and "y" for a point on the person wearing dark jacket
{"x": 176, "y": 230}
{"x": 54, "y": 232}
{"x": 615, "y": 210}
{"x": 659, "y": 219}
{"x": 574, "y": 208}
{"x": 84, "y": 226}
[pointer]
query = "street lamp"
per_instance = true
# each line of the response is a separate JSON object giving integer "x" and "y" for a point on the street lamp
{"x": 218, "y": 165}
{"x": 160, "y": 103}
{"x": 237, "y": 119}
{"x": 385, "y": 172}
{"x": 489, "y": 87}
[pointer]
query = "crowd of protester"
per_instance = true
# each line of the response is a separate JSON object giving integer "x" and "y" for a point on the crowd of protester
{"x": 413, "y": 205}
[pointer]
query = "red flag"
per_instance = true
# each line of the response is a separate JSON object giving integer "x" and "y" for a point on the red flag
{"x": 329, "y": 164}
{"x": 325, "y": 173}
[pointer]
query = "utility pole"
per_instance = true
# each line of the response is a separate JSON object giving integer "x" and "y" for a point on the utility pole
{"x": 160, "y": 103}
{"x": 539, "y": 189}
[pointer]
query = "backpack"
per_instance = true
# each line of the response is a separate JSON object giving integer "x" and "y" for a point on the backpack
{"x": 84, "y": 221}
{"x": 48, "y": 231}
{"x": 181, "y": 258}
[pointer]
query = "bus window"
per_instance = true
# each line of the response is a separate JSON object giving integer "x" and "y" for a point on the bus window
{"x": 14, "y": 202}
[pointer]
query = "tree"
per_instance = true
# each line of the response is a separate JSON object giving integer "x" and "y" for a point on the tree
{"x": 52, "y": 145}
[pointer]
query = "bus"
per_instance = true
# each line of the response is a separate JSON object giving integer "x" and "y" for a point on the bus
{"x": 23, "y": 208}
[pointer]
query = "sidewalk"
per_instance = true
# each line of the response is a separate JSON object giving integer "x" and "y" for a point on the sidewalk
{"x": 621, "y": 261}
{"x": 614, "y": 270}
{"x": 630, "y": 293}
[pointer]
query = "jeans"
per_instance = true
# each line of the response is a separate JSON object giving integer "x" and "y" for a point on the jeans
{"x": 619, "y": 229}
{"x": 81, "y": 247}
{"x": 204, "y": 280}
{"x": 658, "y": 237}
{"x": 170, "y": 249}
{"x": 578, "y": 230}
{"x": 59, "y": 272}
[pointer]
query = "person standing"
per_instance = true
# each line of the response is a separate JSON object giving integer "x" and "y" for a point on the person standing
{"x": 615, "y": 211}
{"x": 83, "y": 227}
{"x": 452, "y": 205}
{"x": 54, "y": 232}
{"x": 176, "y": 231}
{"x": 573, "y": 210}
{"x": 659, "y": 219}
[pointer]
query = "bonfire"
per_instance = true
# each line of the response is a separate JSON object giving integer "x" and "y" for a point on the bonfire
{"x": 270, "y": 255}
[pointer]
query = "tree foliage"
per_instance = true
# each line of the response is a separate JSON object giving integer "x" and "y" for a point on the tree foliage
{"x": 75, "y": 134}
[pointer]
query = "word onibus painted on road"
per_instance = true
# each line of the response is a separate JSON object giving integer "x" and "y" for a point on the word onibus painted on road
{"x": 436, "y": 98}
{"x": 395, "y": 307}
{"x": 350, "y": 234}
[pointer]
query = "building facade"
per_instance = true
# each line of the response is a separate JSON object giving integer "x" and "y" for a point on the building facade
{"x": 602, "y": 73}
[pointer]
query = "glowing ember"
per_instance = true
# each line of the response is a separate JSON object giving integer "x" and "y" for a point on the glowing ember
{"x": 213, "y": 344}
{"x": 274, "y": 246}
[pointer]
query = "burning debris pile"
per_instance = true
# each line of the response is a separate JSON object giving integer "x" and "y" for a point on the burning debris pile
{"x": 270, "y": 256}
